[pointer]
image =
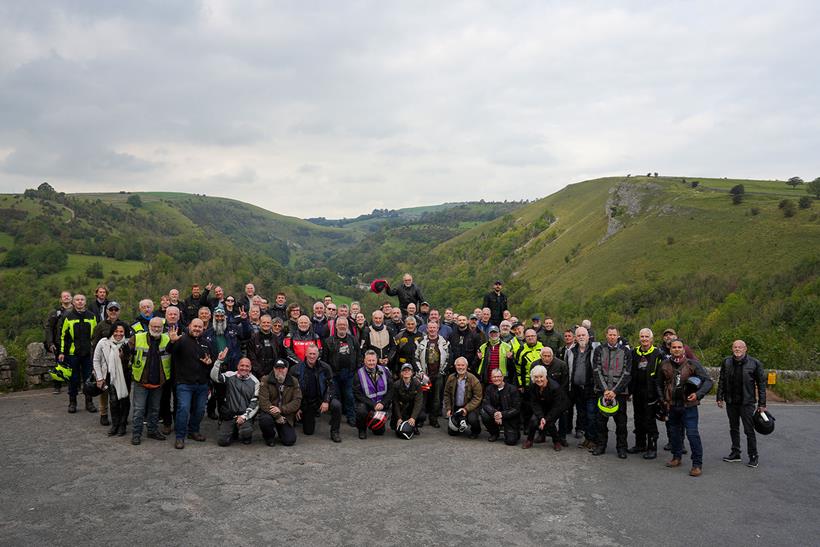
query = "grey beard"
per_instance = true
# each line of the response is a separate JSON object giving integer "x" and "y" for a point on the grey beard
{"x": 220, "y": 326}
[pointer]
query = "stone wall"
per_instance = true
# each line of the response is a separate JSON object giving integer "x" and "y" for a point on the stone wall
{"x": 38, "y": 362}
{"x": 8, "y": 368}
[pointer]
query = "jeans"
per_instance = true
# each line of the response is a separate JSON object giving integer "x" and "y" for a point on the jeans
{"x": 227, "y": 429}
{"x": 270, "y": 430}
{"x": 344, "y": 385}
{"x": 80, "y": 371}
{"x": 145, "y": 399}
{"x": 432, "y": 398}
{"x": 579, "y": 407}
{"x": 191, "y": 402}
{"x": 744, "y": 413}
{"x": 685, "y": 419}
{"x": 591, "y": 432}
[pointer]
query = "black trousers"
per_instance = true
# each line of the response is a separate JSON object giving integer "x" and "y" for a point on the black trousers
{"x": 745, "y": 414}
{"x": 646, "y": 426}
{"x": 526, "y": 407}
{"x": 361, "y": 419}
{"x": 579, "y": 407}
{"x": 432, "y": 398}
{"x": 549, "y": 429}
{"x": 166, "y": 408}
{"x": 270, "y": 429}
{"x": 472, "y": 420}
{"x": 310, "y": 412}
{"x": 511, "y": 428}
{"x": 620, "y": 419}
{"x": 405, "y": 413}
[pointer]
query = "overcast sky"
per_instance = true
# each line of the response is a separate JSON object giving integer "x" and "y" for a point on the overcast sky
{"x": 334, "y": 108}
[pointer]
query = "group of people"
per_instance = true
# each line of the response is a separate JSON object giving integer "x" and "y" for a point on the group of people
{"x": 248, "y": 363}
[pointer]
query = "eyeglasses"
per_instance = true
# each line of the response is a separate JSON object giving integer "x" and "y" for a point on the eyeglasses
{"x": 230, "y": 300}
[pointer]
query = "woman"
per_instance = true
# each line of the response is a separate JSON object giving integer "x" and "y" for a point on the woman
{"x": 110, "y": 370}
{"x": 361, "y": 322}
{"x": 232, "y": 311}
{"x": 548, "y": 402}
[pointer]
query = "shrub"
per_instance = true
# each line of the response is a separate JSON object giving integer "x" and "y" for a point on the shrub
{"x": 804, "y": 202}
{"x": 754, "y": 211}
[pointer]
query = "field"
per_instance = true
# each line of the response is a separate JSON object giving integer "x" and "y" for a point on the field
{"x": 318, "y": 293}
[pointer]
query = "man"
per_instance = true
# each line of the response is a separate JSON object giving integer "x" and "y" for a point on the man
{"x": 218, "y": 299}
{"x": 280, "y": 398}
{"x": 501, "y": 408}
{"x": 465, "y": 342}
{"x": 557, "y": 370}
{"x": 406, "y": 342}
{"x": 411, "y": 312}
{"x": 319, "y": 394}
{"x": 204, "y": 315}
{"x": 581, "y": 388}
{"x": 526, "y": 355}
{"x": 192, "y": 358}
{"x": 587, "y": 324}
{"x": 505, "y": 329}
{"x": 195, "y": 301}
{"x": 331, "y": 310}
{"x": 52, "y": 330}
{"x": 679, "y": 392}
{"x": 225, "y": 334}
{"x": 569, "y": 340}
{"x": 278, "y": 328}
{"x": 238, "y": 408}
{"x": 344, "y": 313}
{"x": 443, "y": 329}
{"x": 611, "y": 372}
{"x": 407, "y": 293}
{"x": 549, "y": 337}
{"x": 548, "y": 403}
{"x": 377, "y": 337}
{"x": 341, "y": 352}
{"x": 327, "y": 300}
{"x": 408, "y": 401}
{"x": 668, "y": 336}
{"x": 173, "y": 298}
{"x": 431, "y": 359}
{"x": 264, "y": 348}
{"x": 280, "y": 307}
{"x": 646, "y": 361}
{"x": 396, "y": 323}
{"x": 104, "y": 329}
{"x": 140, "y": 324}
{"x": 75, "y": 349}
{"x": 484, "y": 324}
{"x": 495, "y": 355}
{"x": 292, "y": 322}
{"x": 373, "y": 390}
{"x": 319, "y": 321}
{"x": 741, "y": 388}
{"x": 151, "y": 368}
{"x": 246, "y": 301}
{"x": 449, "y": 320}
{"x": 423, "y": 315}
{"x": 99, "y": 305}
{"x": 496, "y": 302}
{"x": 298, "y": 340}
{"x": 355, "y": 309}
{"x": 462, "y": 398}
{"x": 173, "y": 321}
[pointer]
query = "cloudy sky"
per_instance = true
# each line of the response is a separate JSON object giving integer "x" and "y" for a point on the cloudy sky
{"x": 334, "y": 108}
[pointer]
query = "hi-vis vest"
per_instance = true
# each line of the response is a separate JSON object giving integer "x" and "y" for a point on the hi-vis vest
{"x": 141, "y": 351}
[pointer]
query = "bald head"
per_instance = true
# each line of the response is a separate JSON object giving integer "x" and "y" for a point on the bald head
{"x": 739, "y": 349}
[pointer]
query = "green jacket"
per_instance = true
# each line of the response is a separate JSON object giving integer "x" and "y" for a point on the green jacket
{"x": 141, "y": 353}
{"x": 526, "y": 357}
{"x": 484, "y": 365}
{"x": 75, "y": 336}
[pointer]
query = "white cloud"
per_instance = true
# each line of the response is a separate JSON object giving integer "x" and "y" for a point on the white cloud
{"x": 334, "y": 109}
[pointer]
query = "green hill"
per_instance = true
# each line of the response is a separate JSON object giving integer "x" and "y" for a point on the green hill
{"x": 648, "y": 252}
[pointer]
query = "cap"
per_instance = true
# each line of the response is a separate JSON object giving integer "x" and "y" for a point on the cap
{"x": 493, "y": 328}
{"x": 280, "y": 364}
{"x": 407, "y": 365}
{"x": 516, "y": 324}
{"x": 473, "y": 316}
{"x": 425, "y": 303}
{"x": 219, "y": 310}
{"x": 536, "y": 318}
{"x": 112, "y": 305}
{"x": 670, "y": 331}
{"x": 498, "y": 282}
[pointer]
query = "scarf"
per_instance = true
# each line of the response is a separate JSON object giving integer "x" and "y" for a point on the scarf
{"x": 112, "y": 367}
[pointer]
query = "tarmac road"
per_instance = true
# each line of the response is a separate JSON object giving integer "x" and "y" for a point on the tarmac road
{"x": 63, "y": 481}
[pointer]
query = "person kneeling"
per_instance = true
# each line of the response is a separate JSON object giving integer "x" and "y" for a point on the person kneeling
{"x": 501, "y": 409}
{"x": 462, "y": 397}
{"x": 549, "y": 401}
{"x": 237, "y": 409}
{"x": 408, "y": 400}
{"x": 373, "y": 392}
{"x": 279, "y": 399}
{"x": 319, "y": 394}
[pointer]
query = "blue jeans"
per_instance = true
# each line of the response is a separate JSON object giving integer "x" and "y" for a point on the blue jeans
{"x": 344, "y": 384}
{"x": 142, "y": 399}
{"x": 685, "y": 418}
{"x": 80, "y": 371}
{"x": 191, "y": 402}
{"x": 591, "y": 432}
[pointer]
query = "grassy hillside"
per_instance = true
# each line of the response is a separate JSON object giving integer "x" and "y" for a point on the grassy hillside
{"x": 680, "y": 255}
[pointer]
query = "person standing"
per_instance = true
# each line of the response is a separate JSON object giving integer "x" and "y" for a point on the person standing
{"x": 646, "y": 361}
{"x": 114, "y": 376}
{"x": 341, "y": 353}
{"x": 52, "y": 329}
{"x": 682, "y": 384}
{"x": 407, "y": 293}
{"x": 581, "y": 388}
{"x": 102, "y": 331}
{"x": 742, "y": 390}
{"x": 496, "y": 301}
{"x": 192, "y": 359}
{"x": 432, "y": 356}
{"x": 75, "y": 349}
{"x": 150, "y": 369}
{"x": 611, "y": 372}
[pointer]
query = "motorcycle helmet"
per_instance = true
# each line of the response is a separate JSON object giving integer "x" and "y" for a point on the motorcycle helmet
{"x": 457, "y": 423}
{"x": 693, "y": 384}
{"x": 405, "y": 430}
{"x": 608, "y": 407}
{"x": 763, "y": 422}
{"x": 377, "y": 420}
{"x": 60, "y": 373}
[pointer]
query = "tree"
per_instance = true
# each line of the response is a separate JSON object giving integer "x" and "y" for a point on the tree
{"x": 804, "y": 202}
{"x": 737, "y": 190}
{"x": 814, "y": 187}
{"x": 134, "y": 200}
{"x": 94, "y": 270}
{"x": 737, "y": 199}
{"x": 794, "y": 182}
{"x": 788, "y": 208}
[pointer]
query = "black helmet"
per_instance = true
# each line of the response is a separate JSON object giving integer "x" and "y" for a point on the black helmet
{"x": 405, "y": 430}
{"x": 763, "y": 422}
{"x": 660, "y": 412}
{"x": 457, "y": 423}
{"x": 693, "y": 384}
{"x": 90, "y": 388}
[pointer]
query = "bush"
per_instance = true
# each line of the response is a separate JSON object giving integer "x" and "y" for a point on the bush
{"x": 737, "y": 190}
{"x": 695, "y": 184}
{"x": 737, "y": 199}
{"x": 94, "y": 270}
{"x": 134, "y": 200}
{"x": 754, "y": 211}
{"x": 47, "y": 258}
{"x": 15, "y": 257}
{"x": 789, "y": 209}
{"x": 670, "y": 240}
{"x": 804, "y": 202}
